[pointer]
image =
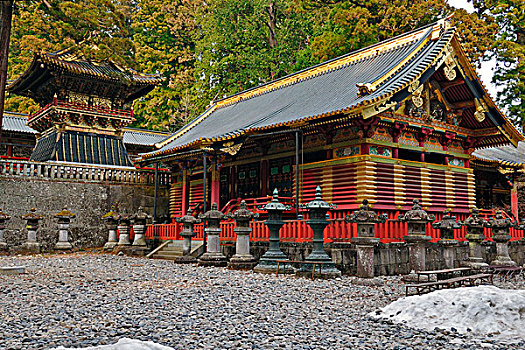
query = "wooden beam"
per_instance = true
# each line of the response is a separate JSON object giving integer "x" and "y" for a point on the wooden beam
{"x": 464, "y": 104}
{"x": 448, "y": 84}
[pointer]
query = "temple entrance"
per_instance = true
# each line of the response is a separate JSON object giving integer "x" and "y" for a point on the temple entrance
{"x": 248, "y": 180}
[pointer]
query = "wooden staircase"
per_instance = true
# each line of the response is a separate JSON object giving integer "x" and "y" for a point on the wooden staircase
{"x": 173, "y": 250}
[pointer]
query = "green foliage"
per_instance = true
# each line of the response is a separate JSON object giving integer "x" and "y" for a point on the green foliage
{"x": 509, "y": 50}
{"x": 165, "y": 32}
{"x": 210, "y": 49}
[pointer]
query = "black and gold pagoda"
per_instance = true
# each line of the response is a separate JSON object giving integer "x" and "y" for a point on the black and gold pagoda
{"x": 85, "y": 105}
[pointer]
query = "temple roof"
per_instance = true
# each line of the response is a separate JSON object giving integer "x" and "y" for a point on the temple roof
{"x": 364, "y": 82}
{"x": 505, "y": 155}
{"x": 45, "y": 66}
{"x": 17, "y": 122}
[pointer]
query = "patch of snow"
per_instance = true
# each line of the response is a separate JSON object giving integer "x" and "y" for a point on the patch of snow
{"x": 124, "y": 344}
{"x": 486, "y": 310}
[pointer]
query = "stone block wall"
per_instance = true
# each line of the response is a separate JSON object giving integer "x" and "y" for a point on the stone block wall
{"x": 88, "y": 200}
{"x": 389, "y": 258}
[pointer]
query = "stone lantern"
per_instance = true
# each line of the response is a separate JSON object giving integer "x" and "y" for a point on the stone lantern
{"x": 124, "y": 227}
{"x": 111, "y": 219}
{"x": 417, "y": 220}
{"x": 446, "y": 226}
{"x": 213, "y": 255}
{"x": 243, "y": 260}
{"x": 139, "y": 220}
{"x": 475, "y": 235}
{"x": 366, "y": 219}
{"x": 500, "y": 234}
{"x": 3, "y": 220}
{"x": 64, "y": 219}
{"x": 317, "y": 210}
{"x": 188, "y": 222}
{"x": 268, "y": 262}
{"x": 32, "y": 220}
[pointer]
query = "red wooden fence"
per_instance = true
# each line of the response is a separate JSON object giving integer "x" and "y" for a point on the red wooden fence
{"x": 337, "y": 231}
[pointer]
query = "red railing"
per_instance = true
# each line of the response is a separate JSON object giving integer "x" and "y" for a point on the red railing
{"x": 337, "y": 230}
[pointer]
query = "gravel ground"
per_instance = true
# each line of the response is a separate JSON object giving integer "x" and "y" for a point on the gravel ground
{"x": 80, "y": 300}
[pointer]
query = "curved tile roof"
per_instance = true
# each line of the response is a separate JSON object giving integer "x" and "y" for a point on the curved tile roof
{"x": 506, "y": 155}
{"x": 16, "y": 122}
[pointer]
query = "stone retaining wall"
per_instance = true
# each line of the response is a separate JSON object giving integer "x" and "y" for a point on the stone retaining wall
{"x": 88, "y": 200}
{"x": 389, "y": 258}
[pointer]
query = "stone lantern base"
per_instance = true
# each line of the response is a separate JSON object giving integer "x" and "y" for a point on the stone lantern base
{"x": 63, "y": 246}
{"x": 268, "y": 264}
{"x": 242, "y": 262}
{"x": 417, "y": 251}
{"x": 31, "y": 247}
{"x": 185, "y": 259}
{"x": 328, "y": 270}
{"x": 216, "y": 259}
{"x": 109, "y": 246}
{"x": 474, "y": 261}
{"x": 449, "y": 252}
{"x": 365, "y": 255}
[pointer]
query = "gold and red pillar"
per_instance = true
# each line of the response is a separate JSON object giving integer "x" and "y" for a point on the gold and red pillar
{"x": 514, "y": 199}
{"x": 215, "y": 183}
{"x": 185, "y": 192}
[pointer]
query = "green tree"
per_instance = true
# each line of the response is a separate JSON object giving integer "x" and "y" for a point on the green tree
{"x": 247, "y": 43}
{"x": 508, "y": 48}
{"x": 164, "y": 38}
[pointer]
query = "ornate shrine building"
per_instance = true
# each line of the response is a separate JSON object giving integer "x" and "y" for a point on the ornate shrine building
{"x": 390, "y": 123}
{"x": 85, "y": 106}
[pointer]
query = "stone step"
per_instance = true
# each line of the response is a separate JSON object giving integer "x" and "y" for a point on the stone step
{"x": 174, "y": 250}
{"x": 167, "y": 256}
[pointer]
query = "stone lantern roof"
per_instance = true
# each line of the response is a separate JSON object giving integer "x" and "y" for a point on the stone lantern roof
{"x": 365, "y": 214}
{"x": 111, "y": 215}
{"x": 274, "y": 204}
{"x": 32, "y": 215}
{"x": 4, "y": 216}
{"x": 417, "y": 214}
{"x": 140, "y": 216}
{"x": 65, "y": 214}
{"x": 475, "y": 221}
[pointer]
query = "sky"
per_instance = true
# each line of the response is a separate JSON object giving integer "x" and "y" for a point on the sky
{"x": 486, "y": 69}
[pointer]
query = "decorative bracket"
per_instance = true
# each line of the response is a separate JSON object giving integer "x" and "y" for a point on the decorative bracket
{"x": 366, "y": 126}
{"x": 481, "y": 109}
{"x": 396, "y": 130}
{"x": 423, "y": 135}
{"x": 447, "y": 139}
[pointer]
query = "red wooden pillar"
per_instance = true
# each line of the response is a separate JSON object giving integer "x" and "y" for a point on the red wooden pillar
{"x": 365, "y": 148}
{"x": 215, "y": 184}
{"x": 514, "y": 199}
{"x": 10, "y": 150}
{"x": 264, "y": 177}
{"x": 395, "y": 152}
{"x": 185, "y": 192}
{"x": 422, "y": 157}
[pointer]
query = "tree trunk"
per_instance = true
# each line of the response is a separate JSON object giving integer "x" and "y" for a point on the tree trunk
{"x": 272, "y": 24}
{"x": 6, "y": 13}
